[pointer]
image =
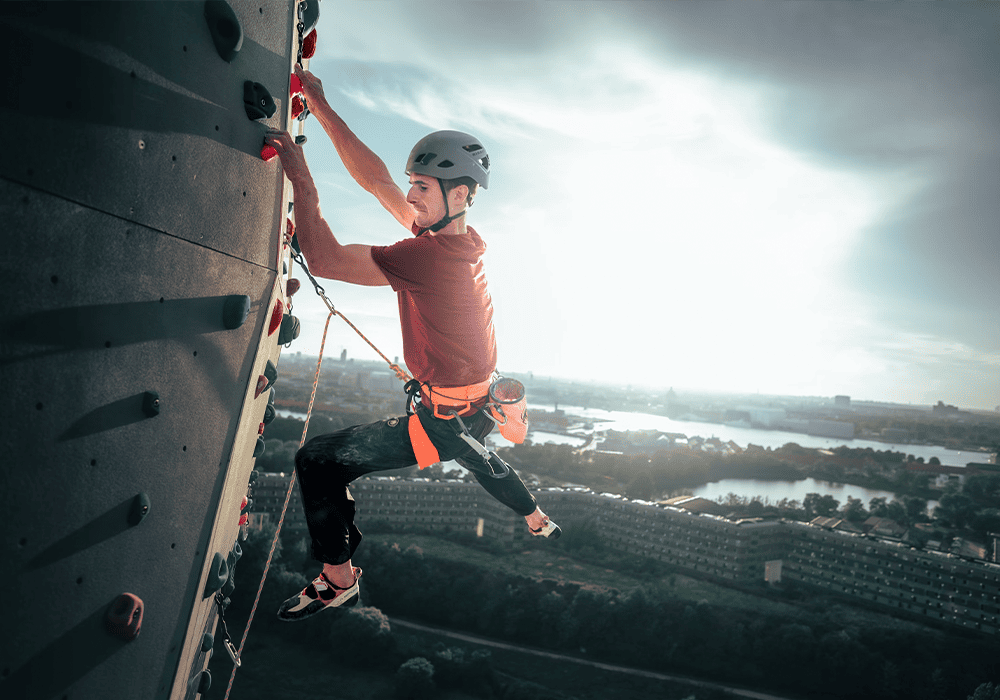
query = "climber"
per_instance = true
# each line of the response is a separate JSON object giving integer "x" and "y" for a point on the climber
{"x": 446, "y": 316}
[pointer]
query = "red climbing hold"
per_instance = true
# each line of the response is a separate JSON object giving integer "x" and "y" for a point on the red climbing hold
{"x": 289, "y": 231}
{"x": 292, "y": 287}
{"x": 262, "y": 384}
{"x": 309, "y": 45}
{"x": 298, "y": 106}
{"x": 124, "y": 617}
{"x": 279, "y": 311}
{"x": 294, "y": 85}
{"x": 268, "y": 152}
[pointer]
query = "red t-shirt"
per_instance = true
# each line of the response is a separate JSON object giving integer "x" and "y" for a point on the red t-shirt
{"x": 445, "y": 310}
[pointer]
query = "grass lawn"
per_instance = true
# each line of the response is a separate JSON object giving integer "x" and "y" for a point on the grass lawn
{"x": 554, "y": 564}
{"x": 275, "y": 668}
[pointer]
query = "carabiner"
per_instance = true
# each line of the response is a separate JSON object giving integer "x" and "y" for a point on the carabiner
{"x": 488, "y": 456}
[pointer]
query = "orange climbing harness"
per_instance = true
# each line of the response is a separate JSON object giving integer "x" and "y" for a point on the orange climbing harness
{"x": 503, "y": 400}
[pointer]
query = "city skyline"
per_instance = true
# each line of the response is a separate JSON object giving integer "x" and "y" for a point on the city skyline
{"x": 783, "y": 198}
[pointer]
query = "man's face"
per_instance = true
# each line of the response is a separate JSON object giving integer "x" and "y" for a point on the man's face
{"x": 426, "y": 199}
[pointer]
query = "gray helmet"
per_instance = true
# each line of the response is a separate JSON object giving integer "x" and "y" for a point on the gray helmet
{"x": 447, "y": 155}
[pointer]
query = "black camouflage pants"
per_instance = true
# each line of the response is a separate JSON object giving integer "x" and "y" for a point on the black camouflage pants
{"x": 327, "y": 463}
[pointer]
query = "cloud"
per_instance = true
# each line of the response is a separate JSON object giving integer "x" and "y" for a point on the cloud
{"x": 817, "y": 180}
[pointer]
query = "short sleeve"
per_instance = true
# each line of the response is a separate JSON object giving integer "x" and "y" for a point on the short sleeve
{"x": 408, "y": 264}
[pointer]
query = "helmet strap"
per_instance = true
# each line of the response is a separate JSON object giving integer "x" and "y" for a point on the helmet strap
{"x": 448, "y": 218}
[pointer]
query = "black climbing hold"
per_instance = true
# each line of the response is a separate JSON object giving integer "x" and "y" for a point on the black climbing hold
{"x": 271, "y": 372}
{"x": 124, "y": 617}
{"x": 235, "y": 311}
{"x": 253, "y": 476}
{"x": 269, "y": 413}
{"x": 234, "y": 556}
{"x": 290, "y": 328}
{"x": 207, "y": 642}
{"x": 225, "y": 28}
{"x": 139, "y": 510}
{"x": 151, "y": 404}
{"x": 218, "y": 574}
{"x": 258, "y": 449}
{"x": 308, "y": 15}
{"x": 204, "y": 682}
{"x": 300, "y": 139}
{"x": 270, "y": 397}
{"x": 258, "y": 101}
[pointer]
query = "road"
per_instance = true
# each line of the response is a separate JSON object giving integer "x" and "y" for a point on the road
{"x": 485, "y": 641}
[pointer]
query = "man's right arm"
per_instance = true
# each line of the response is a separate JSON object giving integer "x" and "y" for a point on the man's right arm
{"x": 364, "y": 166}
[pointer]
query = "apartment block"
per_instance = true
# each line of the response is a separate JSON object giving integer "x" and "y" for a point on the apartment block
{"x": 887, "y": 574}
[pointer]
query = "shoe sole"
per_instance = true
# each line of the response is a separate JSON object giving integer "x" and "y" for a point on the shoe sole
{"x": 554, "y": 535}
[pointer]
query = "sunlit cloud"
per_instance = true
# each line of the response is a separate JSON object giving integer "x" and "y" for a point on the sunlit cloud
{"x": 665, "y": 216}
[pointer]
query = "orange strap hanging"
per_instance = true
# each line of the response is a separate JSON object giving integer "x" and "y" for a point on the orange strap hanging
{"x": 423, "y": 448}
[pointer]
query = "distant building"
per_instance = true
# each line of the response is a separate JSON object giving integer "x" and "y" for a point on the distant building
{"x": 946, "y": 410}
{"x": 842, "y": 401}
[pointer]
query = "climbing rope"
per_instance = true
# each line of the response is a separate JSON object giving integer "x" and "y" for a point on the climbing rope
{"x": 284, "y": 508}
{"x": 400, "y": 372}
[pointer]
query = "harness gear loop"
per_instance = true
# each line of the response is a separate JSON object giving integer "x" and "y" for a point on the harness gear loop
{"x": 284, "y": 508}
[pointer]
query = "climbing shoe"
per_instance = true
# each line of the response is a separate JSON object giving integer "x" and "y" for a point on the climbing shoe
{"x": 549, "y": 529}
{"x": 319, "y": 595}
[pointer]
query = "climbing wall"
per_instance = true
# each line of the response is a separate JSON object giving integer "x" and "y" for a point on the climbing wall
{"x": 143, "y": 279}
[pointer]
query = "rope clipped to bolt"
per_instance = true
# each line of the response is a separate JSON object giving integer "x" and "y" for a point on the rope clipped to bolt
{"x": 284, "y": 507}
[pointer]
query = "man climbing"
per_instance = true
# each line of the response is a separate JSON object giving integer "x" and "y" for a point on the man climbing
{"x": 446, "y": 315}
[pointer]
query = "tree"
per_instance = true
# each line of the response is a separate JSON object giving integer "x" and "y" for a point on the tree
{"x": 955, "y": 508}
{"x": 854, "y": 511}
{"x": 878, "y": 507}
{"x": 916, "y": 508}
{"x": 986, "y": 520}
{"x": 815, "y": 504}
{"x": 415, "y": 679}
{"x": 986, "y": 691}
{"x": 362, "y": 636}
{"x": 896, "y": 511}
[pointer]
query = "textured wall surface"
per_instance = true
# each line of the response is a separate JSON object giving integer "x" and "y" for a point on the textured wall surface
{"x": 133, "y": 203}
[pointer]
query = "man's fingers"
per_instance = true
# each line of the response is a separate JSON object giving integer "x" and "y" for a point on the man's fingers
{"x": 278, "y": 138}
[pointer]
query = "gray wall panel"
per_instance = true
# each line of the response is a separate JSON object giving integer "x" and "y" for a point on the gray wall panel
{"x": 134, "y": 113}
{"x": 82, "y": 449}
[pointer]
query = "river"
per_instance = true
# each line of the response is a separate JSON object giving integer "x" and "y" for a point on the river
{"x": 621, "y": 420}
{"x": 768, "y": 491}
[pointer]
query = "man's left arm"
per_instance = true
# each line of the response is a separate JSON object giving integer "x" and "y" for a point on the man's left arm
{"x": 328, "y": 258}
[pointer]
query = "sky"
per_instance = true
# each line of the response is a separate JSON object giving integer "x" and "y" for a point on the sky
{"x": 792, "y": 198}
